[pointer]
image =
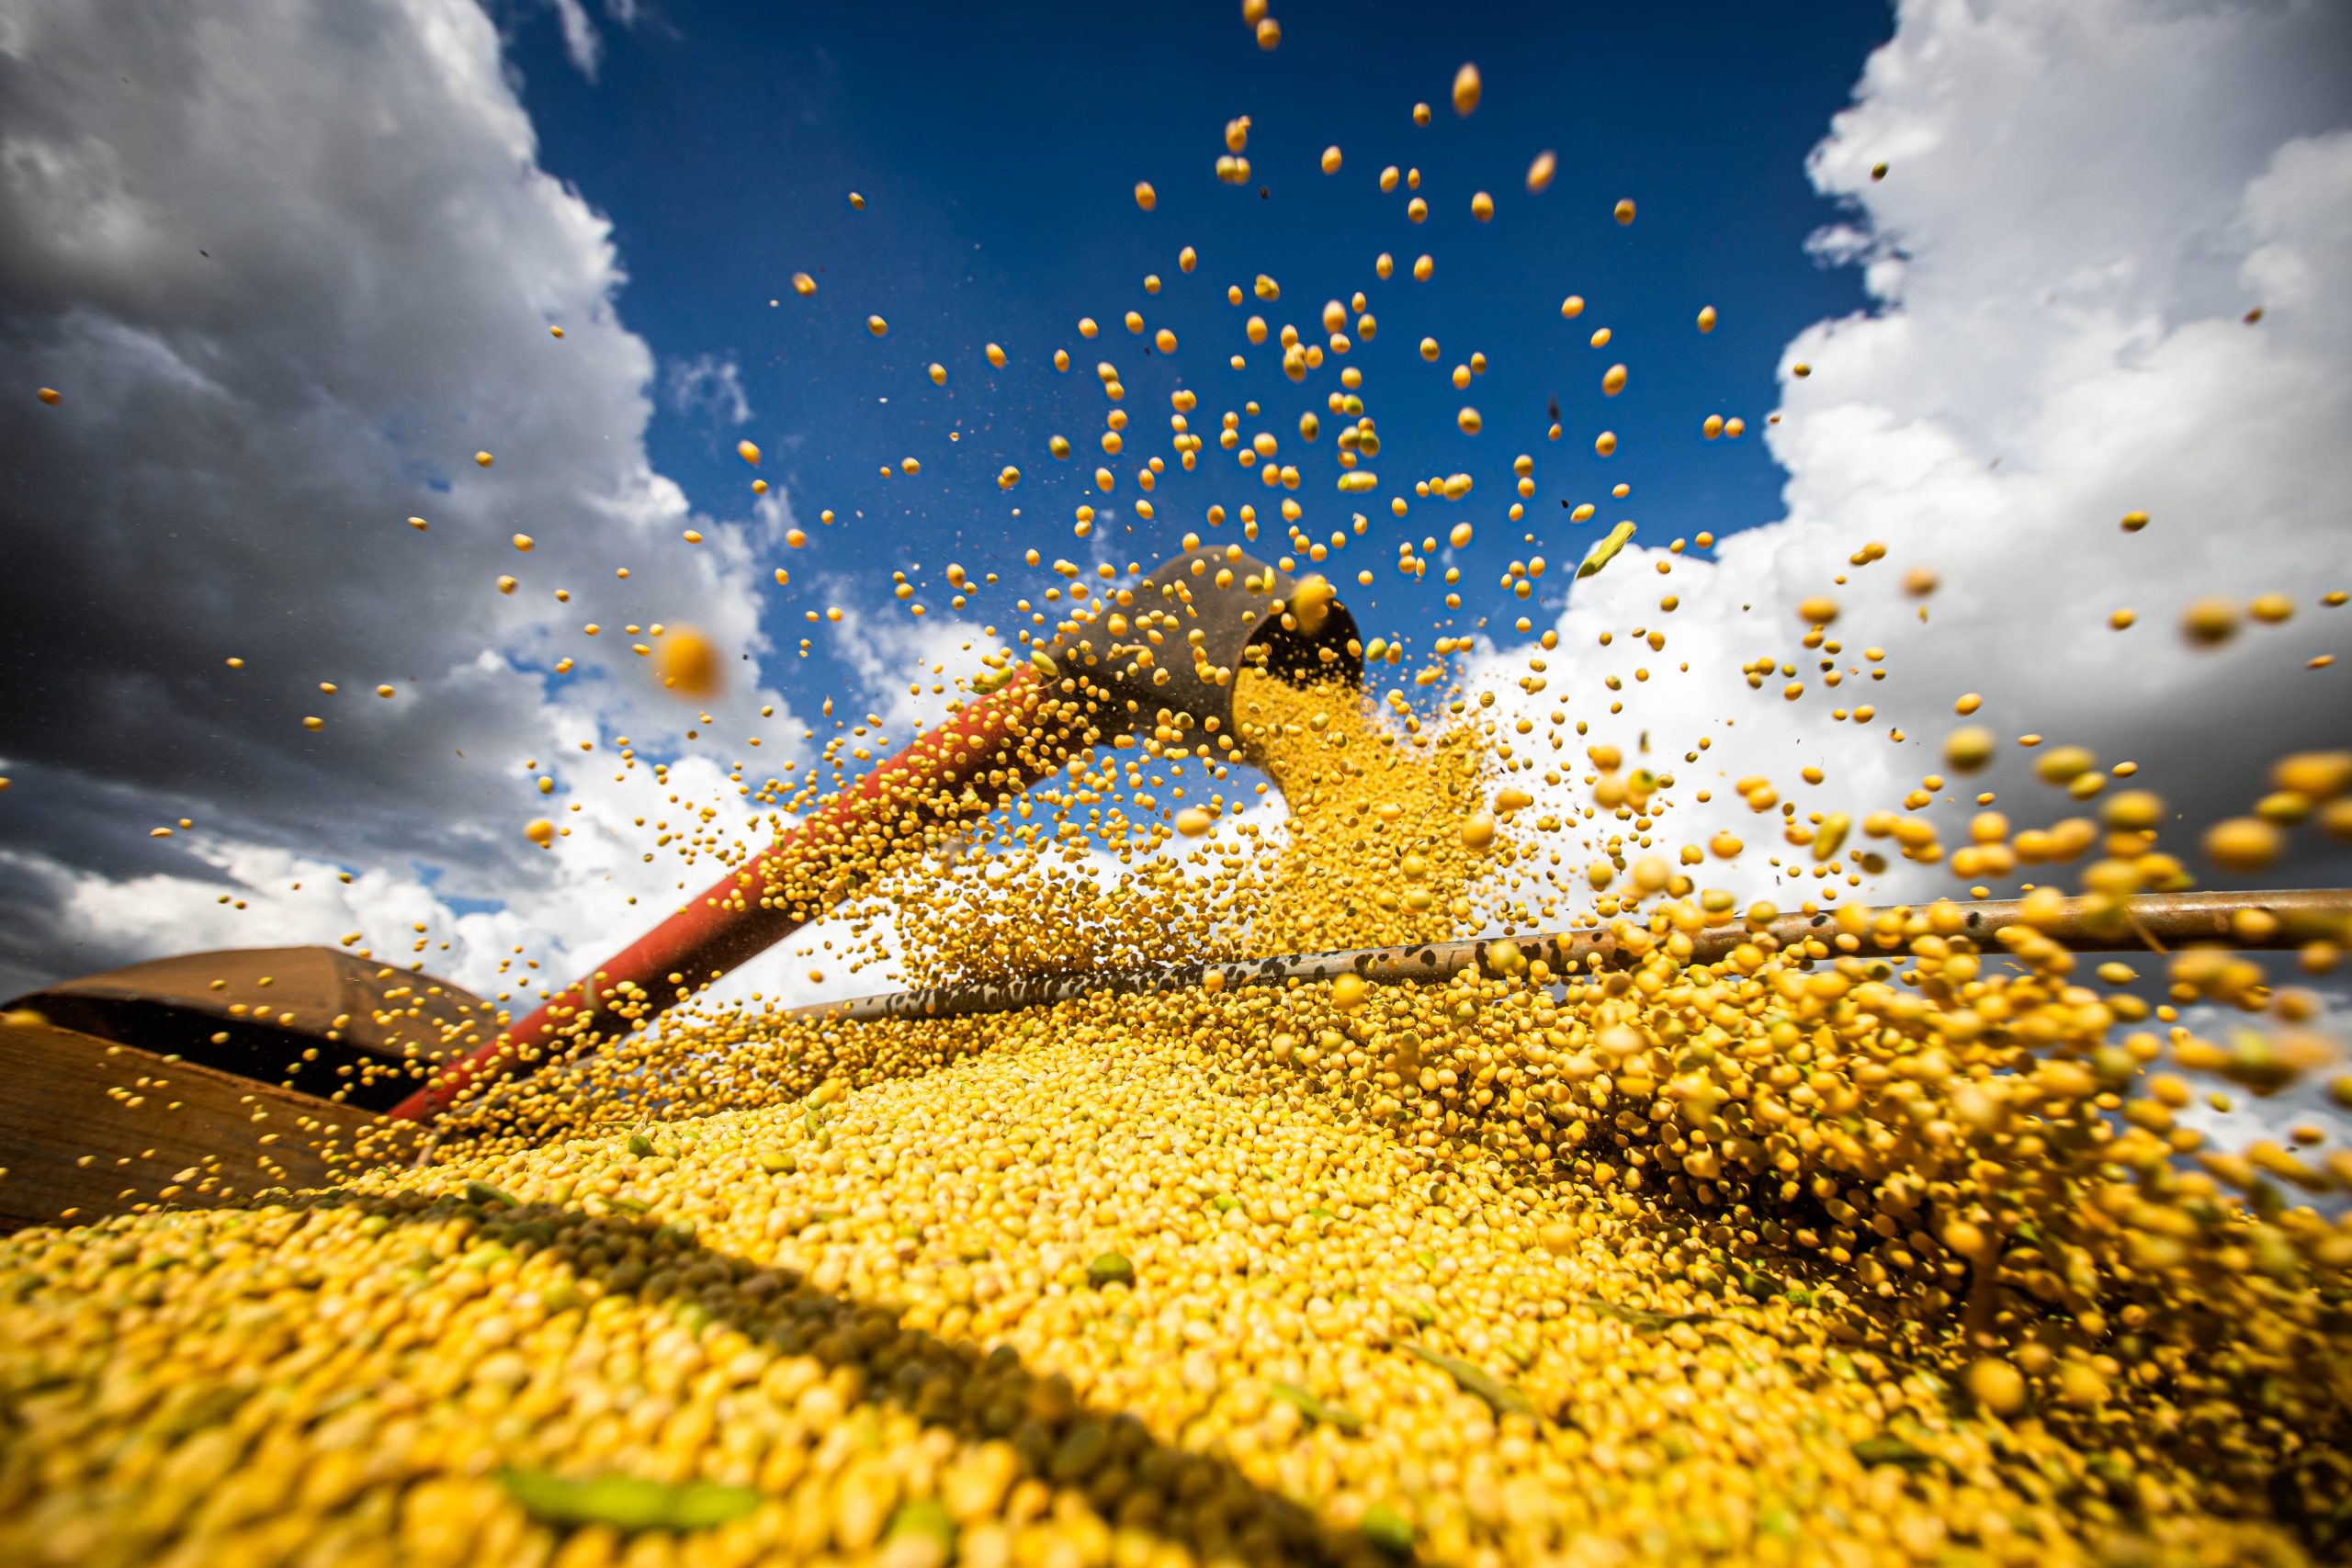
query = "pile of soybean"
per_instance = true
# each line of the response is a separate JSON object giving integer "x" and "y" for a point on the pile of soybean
{"x": 1882, "y": 1247}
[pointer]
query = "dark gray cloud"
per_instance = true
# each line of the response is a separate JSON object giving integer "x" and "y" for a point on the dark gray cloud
{"x": 291, "y": 266}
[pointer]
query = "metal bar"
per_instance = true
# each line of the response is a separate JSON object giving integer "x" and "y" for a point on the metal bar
{"x": 734, "y": 918}
{"x": 943, "y": 776}
{"x": 2148, "y": 921}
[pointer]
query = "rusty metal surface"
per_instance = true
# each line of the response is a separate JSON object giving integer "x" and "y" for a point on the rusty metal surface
{"x": 2149, "y": 922}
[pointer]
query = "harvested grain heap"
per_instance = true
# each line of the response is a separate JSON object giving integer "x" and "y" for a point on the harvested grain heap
{"x": 1122, "y": 1281}
{"x": 1835, "y": 1254}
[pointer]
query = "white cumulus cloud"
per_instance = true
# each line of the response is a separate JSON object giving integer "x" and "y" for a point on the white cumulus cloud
{"x": 712, "y": 386}
{"x": 2084, "y": 204}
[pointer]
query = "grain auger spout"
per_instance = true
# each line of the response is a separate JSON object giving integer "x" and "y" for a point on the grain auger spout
{"x": 1160, "y": 657}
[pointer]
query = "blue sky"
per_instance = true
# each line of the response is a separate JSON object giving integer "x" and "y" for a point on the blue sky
{"x": 998, "y": 153}
{"x": 2050, "y": 325}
